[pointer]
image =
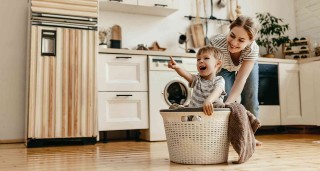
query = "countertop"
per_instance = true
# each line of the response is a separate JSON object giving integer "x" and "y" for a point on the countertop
{"x": 192, "y": 55}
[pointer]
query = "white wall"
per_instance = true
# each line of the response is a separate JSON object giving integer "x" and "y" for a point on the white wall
{"x": 13, "y": 48}
{"x": 143, "y": 29}
{"x": 308, "y": 20}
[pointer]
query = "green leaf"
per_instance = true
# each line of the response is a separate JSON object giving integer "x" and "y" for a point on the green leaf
{"x": 272, "y": 32}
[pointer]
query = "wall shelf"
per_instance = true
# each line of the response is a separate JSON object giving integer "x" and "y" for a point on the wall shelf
{"x": 106, "y": 5}
{"x": 297, "y": 49}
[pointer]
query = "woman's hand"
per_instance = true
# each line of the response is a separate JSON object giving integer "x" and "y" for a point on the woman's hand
{"x": 172, "y": 64}
{"x": 208, "y": 108}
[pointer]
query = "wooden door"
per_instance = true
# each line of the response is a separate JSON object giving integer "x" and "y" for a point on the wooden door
{"x": 61, "y": 90}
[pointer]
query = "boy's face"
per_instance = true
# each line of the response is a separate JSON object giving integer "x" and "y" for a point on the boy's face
{"x": 207, "y": 65}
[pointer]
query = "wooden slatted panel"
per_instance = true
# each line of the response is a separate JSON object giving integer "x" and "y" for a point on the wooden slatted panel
{"x": 84, "y": 81}
{"x": 65, "y": 78}
{"x": 71, "y": 82}
{"x": 77, "y": 82}
{"x": 52, "y": 96}
{"x": 84, "y": 8}
{"x": 45, "y": 97}
{"x": 62, "y": 87}
{"x": 59, "y": 75}
{"x": 91, "y": 79}
{"x": 94, "y": 83}
{"x": 38, "y": 88}
{"x": 32, "y": 82}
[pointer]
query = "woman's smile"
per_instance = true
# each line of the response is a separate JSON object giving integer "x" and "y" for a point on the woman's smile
{"x": 233, "y": 46}
{"x": 237, "y": 39}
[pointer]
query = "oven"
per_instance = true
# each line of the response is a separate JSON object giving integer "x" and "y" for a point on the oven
{"x": 268, "y": 84}
{"x": 268, "y": 94}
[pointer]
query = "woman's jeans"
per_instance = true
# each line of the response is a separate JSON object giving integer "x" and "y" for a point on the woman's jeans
{"x": 249, "y": 95}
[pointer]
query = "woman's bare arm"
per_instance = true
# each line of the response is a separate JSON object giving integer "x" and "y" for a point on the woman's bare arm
{"x": 240, "y": 80}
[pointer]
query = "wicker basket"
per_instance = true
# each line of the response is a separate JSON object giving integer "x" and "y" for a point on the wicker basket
{"x": 204, "y": 141}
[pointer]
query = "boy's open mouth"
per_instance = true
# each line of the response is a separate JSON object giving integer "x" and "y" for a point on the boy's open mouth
{"x": 202, "y": 68}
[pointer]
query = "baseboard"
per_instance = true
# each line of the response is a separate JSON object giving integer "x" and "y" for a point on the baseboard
{"x": 11, "y": 141}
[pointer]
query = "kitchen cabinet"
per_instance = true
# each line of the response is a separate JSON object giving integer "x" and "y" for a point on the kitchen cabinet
{"x": 269, "y": 115}
{"x": 128, "y": 2}
{"x": 122, "y": 72}
{"x": 299, "y": 93}
{"x": 61, "y": 85}
{"x": 122, "y": 110}
{"x": 122, "y": 92}
{"x": 289, "y": 87}
{"x": 317, "y": 90}
{"x": 308, "y": 77}
{"x": 158, "y": 3}
{"x": 144, "y": 7}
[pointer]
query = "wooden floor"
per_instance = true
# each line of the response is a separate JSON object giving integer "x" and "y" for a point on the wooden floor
{"x": 279, "y": 152}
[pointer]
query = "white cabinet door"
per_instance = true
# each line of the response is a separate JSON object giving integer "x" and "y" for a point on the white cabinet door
{"x": 121, "y": 72}
{"x": 308, "y": 78}
{"x": 144, "y": 7}
{"x": 122, "y": 110}
{"x": 289, "y": 87}
{"x": 131, "y": 2}
{"x": 158, "y": 3}
{"x": 316, "y": 78}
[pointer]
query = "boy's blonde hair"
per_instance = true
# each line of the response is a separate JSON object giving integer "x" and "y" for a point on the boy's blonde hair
{"x": 213, "y": 51}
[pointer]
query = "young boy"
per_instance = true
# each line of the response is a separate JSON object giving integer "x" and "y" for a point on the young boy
{"x": 207, "y": 87}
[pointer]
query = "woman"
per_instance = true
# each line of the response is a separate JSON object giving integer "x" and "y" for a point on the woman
{"x": 240, "y": 67}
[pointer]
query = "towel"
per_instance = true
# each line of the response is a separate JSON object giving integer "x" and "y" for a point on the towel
{"x": 242, "y": 126}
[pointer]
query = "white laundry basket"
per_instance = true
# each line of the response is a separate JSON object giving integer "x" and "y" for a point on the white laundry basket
{"x": 204, "y": 141}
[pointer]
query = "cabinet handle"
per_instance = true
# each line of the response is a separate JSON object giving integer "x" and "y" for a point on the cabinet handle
{"x": 48, "y": 42}
{"x": 116, "y": 0}
{"x": 160, "y": 5}
{"x": 123, "y": 57}
{"x": 118, "y": 95}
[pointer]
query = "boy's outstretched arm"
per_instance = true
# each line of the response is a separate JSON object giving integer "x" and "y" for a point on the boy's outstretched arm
{"x": 181, "y": 71}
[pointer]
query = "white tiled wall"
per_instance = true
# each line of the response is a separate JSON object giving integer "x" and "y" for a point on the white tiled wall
{"x": 308, "y": 20}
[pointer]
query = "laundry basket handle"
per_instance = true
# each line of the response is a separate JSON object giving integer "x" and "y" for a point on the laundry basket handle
{"x": 191, "y": 114}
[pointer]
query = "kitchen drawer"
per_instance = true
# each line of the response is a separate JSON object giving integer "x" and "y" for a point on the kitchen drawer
{"x": 121, "y": 72}
{"x": 122, "y": 110}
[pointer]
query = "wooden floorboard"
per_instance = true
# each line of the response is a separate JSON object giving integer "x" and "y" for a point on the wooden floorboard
{"x": 278, "y": 152}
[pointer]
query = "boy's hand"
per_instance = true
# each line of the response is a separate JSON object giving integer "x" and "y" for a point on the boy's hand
{"x": 172, "y": 64}
{"x": 208, "y": 108}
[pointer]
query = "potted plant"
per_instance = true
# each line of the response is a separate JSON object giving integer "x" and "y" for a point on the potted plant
{"x": 271, "y": 33}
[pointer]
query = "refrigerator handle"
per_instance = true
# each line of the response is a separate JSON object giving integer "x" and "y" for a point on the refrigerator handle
{"x": 48, "y": 42}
